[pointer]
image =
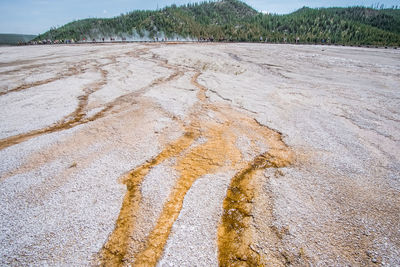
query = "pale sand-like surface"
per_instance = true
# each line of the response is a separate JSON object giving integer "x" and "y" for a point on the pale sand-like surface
{"x": 179, "y": 123}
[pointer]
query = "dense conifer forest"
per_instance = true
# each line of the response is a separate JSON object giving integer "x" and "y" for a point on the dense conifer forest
{"x": 233, "y": 20}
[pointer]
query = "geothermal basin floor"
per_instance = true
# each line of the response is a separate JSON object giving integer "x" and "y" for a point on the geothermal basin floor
{"x": 199, "y": 155}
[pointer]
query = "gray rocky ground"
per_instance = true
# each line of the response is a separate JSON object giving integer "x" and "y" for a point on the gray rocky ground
{"x": 199, "y": 155}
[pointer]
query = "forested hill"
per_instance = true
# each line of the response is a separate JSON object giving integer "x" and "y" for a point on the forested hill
{"x": 13, "y": 39}
{"x": 233, "y": 20}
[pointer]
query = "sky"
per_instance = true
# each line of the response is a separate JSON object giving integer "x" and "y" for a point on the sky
{"x": 38, "y": 16}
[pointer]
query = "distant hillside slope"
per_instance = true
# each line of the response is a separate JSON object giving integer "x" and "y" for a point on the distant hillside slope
{"x": 12, "y": 39}
{"x": 236, "y": 21}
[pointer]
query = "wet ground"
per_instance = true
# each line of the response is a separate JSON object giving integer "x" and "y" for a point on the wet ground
{"x": 199, "y": 155}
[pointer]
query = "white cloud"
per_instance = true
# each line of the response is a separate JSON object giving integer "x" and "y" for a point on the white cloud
{"x": 105, "y": 11}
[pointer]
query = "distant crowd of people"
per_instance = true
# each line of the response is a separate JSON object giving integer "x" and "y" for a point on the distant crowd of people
{"x": 48, "y": 41}
{"x": 123, "y": 39}
{"x": 166, "y": 39}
